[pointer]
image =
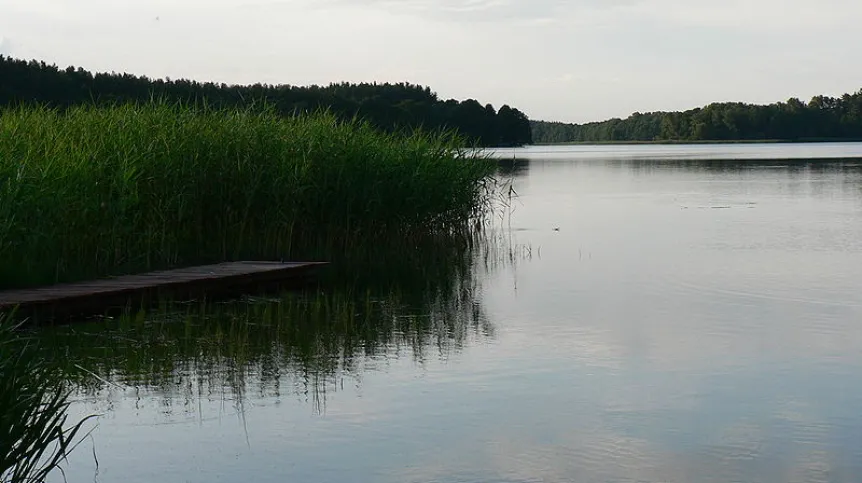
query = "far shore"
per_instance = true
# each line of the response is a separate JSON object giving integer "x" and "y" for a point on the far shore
{"x": 673, "y": 142}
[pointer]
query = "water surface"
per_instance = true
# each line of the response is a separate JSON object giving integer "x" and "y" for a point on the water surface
{"x": 635, "y": 317}
{"x": 664, "y": 152}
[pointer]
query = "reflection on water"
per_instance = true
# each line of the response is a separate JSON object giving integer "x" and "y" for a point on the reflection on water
{"x": 422, "y": 304}
{"x": 273, "y": 347}
{"x": 630, "y": 320}
{"x": 677, "y": 152}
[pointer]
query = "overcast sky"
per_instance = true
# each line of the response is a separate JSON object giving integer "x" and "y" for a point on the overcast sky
{"x": 575, "y": 60}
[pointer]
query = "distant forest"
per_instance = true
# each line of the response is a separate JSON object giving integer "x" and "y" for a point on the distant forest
{"x": 823, "y": 118}
{"x": 390, "y": 107}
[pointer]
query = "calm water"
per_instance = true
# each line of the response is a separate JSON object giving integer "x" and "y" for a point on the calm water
{"x": 664, "y": 152}
{"x": 637, "y": 317}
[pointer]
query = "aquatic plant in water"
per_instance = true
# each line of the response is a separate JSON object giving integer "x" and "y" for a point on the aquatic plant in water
{"x": 34, "y": 435}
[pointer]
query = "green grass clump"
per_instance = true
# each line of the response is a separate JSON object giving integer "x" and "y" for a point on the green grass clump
{"x": 97, "y": 191}
{"x": 34, "y": 435}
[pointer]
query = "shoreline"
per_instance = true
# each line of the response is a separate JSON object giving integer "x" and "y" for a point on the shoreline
{"x": 671, "y": 142}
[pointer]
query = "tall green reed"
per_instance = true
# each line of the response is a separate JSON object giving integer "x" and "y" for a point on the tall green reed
{"x": 34, "y": 435}
{"x": 97, "y": 191}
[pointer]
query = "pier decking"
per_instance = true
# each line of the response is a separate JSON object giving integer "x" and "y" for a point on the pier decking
{"x": 96, "y": 295}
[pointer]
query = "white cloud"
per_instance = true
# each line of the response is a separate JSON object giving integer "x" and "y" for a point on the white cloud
{"x": 786, "y": 16}
{"x": 5, "y": 46}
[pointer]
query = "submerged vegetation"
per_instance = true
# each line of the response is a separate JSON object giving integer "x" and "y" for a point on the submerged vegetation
{"x": 92, "y": 191}
{"x": 34, "y": 435}
{"x": 822, "y": 118}
{"x": 388, "y": 107}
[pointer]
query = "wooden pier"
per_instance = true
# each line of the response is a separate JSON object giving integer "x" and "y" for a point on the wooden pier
{"x": 96, "y": 296}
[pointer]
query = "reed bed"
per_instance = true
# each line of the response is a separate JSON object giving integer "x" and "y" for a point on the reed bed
{"x": 95, "y": 191}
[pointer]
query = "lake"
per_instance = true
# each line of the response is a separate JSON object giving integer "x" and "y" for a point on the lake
{"x": 637, "y": 314}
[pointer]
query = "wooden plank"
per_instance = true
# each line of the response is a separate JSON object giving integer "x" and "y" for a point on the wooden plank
{"x": 104, "y": 292}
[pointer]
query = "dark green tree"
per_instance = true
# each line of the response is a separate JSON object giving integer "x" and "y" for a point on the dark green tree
{"x": 390, "y": 107}
{"x": 822, "y": 118}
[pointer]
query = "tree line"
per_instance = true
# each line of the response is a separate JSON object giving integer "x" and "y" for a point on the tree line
{"x": 822, "y": 118}
{"x": 390, "y": 107}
